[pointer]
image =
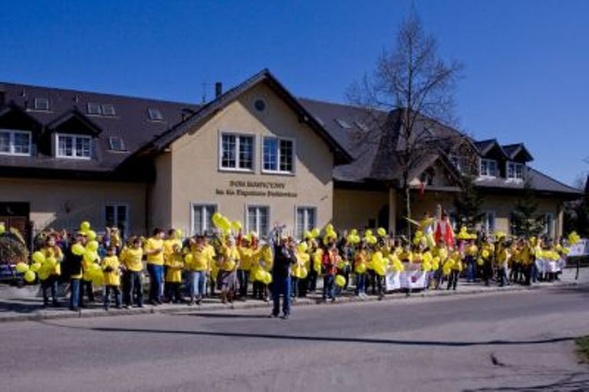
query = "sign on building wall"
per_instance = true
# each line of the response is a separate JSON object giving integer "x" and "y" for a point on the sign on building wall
{"x": 255, "y": 189}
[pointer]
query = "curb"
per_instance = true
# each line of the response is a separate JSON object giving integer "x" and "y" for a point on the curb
{"x": 40, "y": 315}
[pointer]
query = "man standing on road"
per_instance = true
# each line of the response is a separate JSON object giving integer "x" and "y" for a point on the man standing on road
{"x": 284, "y": 258}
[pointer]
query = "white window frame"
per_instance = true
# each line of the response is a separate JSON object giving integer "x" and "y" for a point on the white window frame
{"x": 74, "y": 137}
{"x": 206, "y": 224}
{"x": 301, "y": 227}
{"x": 238, "y": 137}
{"x": 293, "y": 160}
{"x": 257, "y": 219}
{"x": 487, "y": 173}
{"x": 486, "y": 221}
{"x": 115, "y": 205}
{"x": 11, "y": 144}
{"x": 515, "y": 167}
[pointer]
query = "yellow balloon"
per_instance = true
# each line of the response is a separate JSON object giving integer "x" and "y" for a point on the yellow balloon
{"x": 267, "y": 278}
{"x": 2, "y": 228}
{"x": 91, "y": 235}
{"x": 340, "y": 281}
{"x": 90, "y": 256}
{"x": 315, "y": 232}
{"x": 189, "y": 258}
{"x": 22, "y": 267}
{"x": 85, "y": 226}
{"x": 360, "y": 268}
{"x": 35, "y": 267}
{"x": 382, "y": 232}
{"x": 259, "y": 274}
{"x": 92, "y": 245}
{"x": 38, "y": 257}
{"x": 480, "y": 261}
{"x": 78, "y": 249}
{"x": 302, "y": 247}
{"x": 380, "y": 269}
{"x": 236, "y": 225}
{"x": 29, "y": 276}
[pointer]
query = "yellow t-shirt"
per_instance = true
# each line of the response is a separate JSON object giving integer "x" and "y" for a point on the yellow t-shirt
{"x": 131, "y": 259}
{"x": 56, "y": 253}
{"x": 231, "y": 258}
{"x": 153, "y": 244}
{"x": 175, "y": 266}
{"x": 112, "y": 277}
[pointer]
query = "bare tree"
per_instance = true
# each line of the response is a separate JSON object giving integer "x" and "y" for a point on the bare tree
{"x": 415, "y": 87}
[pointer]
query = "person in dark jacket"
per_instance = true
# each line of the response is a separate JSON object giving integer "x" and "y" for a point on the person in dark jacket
{"x": 284, "y": 258}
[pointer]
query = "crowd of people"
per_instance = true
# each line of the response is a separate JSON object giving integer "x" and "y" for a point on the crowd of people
{"x": 231, "y": 265}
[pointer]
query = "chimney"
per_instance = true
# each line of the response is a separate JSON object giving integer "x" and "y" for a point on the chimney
{"x": 218, "y": 89}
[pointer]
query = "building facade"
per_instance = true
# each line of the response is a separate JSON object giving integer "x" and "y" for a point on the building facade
{"x": 255, "y": 153}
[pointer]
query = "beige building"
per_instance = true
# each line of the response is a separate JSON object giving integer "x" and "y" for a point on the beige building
{"x": 255, "y": 153}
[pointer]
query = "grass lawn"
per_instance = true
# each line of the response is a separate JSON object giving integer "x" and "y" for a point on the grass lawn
{"x": 583, "y": 348}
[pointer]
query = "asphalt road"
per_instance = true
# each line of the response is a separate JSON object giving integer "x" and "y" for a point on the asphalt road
{"x": 519, "y": 341}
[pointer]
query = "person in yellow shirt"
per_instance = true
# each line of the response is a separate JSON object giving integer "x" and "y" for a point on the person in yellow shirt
{"x": 175, "y": 264}
{"x": 51, "y": 250}
{"x": 360, "y": 263}
{"x": 470, "y": 255}
{"x": 132, "y": 263}
{"x": 247, "y": 253}
{"x": 228, "y": 264}
{"x": 112, "y": 279}
{"x": 198, "y": 269}
{"x": 154, "y": 250}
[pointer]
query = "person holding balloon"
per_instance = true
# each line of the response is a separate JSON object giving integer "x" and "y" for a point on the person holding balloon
{"x": 74, "y": 258}
{"x": 361, "y": 259}
{"x": 52, "y": 254}
{"x": 112, "y": 277}
{"x": 228, "y": 260}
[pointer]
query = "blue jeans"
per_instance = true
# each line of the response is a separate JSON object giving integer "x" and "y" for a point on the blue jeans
{"x": 329, "y": 286}
{"x": 133, "y": 288}
{"x": 197, "y": 283}
{"x": 281, "y": 286}
{"x": 156, "y": 274}
{"x": 74, "y": 294}
{"x": 49, "y": 284}
{"x": 360, "y": 284}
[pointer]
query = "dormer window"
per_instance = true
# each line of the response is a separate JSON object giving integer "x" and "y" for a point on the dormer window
{"x": 488, "y": 168}
{"x": 515, "y": 171}
{"x": 115, "y": 143}
{"x": 13, "y": 142}
{"x": 41, "y": 104}
{"x": 94, "y": 108}
{"x": 155, "y": 114}
{"x": 73, "y": 146}
{"x": 108, "y": 110}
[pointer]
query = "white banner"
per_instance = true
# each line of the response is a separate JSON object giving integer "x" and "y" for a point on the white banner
{"x": 411, "y": 278}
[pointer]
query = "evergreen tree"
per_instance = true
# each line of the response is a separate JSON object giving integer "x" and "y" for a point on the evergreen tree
{"x": 468, "y": 203}
{"x": 524, "y": 220}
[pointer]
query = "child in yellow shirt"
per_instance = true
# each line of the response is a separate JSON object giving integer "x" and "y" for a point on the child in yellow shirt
{"x": 112, "y": 279}
{"x": 175, "y": 264}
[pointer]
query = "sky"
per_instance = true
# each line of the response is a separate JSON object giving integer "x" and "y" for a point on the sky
{"x": 525, "y": 76}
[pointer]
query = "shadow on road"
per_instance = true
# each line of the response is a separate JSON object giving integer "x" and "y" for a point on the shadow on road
{"x": 570, "y": 383}
{"x": 220, "y": 315}
{"x": 319, "y": 338}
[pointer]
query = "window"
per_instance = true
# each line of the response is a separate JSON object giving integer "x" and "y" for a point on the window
{"x": 14, "y": 142}
{"x": 278, "y": 155}
{"x": 488, "y": 168}
{"x": 548, "y": 228}
{"x": 108, "y": 110}
{"x": 117, "y": 215}
{"x": 202, "y": 218}
{"x": 41, "y": 104}
{"x": 73, "y": 146}
{"x": 515, "y": 170}
{"x": 489, "y": 222}
{"x": 237, "y": 152}
{"x": 343, "y": 123}
{"x": 305, "y": 220}
{"x": 459, "y": 162}
{"x": 115, "y": 143}
{"x": 94, "y": 108}
{"x": 155, "y": 114}
{"x": 258, "y": 218}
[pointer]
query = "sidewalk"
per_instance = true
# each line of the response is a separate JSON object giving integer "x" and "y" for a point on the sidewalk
{"x": 21, "y": 304}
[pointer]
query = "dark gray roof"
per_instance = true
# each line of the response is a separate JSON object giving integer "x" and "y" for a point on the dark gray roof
{"x": 518, "y": 152}
{"x": 131, "y": 122}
